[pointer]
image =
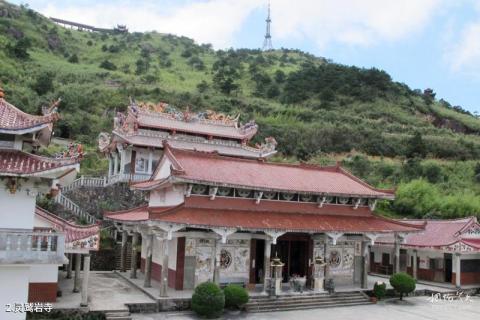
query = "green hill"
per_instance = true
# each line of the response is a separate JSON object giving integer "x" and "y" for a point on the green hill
{"x": 318, "y": 111}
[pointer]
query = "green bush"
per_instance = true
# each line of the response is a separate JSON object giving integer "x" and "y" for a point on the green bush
{"x": 208, "y": 300}
{"x": 402, "y": 283}
{"x": 380, "y": 290}
{"x": 235, "y": 296}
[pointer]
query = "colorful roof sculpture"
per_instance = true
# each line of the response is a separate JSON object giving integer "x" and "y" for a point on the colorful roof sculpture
{"x": 15, "y": 121}
{"x": 450, "y": 235}
{"x": 20, "y": 164}
{"x": 242, "y": 215}
{"x": 211, "y": 168}
{"x": 78, "y": 238}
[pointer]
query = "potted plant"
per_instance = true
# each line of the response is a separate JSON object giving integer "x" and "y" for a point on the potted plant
{"x": 235, "y": 298}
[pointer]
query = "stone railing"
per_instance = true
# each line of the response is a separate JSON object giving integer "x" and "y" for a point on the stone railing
{"x": 127, "y": 177}
{"x": 31, "y": 247}
{"x": 83, "y": 181}
{"x": 74, "y": 208}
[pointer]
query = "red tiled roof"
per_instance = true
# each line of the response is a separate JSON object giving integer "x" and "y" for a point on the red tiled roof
{"x": 202, "y": 167}
{"x": 19, "y": 163}
{"x": 73, "y": 232}
{"x": 135, "y": 214}
{"x": 12, "y": 118}
{"x": 327, "y": 219}
{"x": 152, "y": 120}
{"x": 472, "y": 242}
{"x": 437, "y": 233}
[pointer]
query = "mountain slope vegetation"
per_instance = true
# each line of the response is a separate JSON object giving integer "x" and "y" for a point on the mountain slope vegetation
{"x": 319, "y": 111}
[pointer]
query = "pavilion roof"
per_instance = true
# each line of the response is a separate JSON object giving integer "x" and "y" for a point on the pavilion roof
{"x": 76, "y": 236}
{"x": 211, "y": 168}
{"x": 19, "y": 163}
{"x": 331, "y": 218}
{"x": 227, "y": 128}
{"x": 438, "y": 233}
{"x": 13, "y": 120}
{"x": 234, "y": 149}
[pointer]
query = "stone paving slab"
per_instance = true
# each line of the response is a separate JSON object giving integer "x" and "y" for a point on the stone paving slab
{"x": 413, "y": 308}
{"x": 107, "y": 291}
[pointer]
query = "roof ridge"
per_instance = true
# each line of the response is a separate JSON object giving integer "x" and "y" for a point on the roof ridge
{"x": 39, "y": 157}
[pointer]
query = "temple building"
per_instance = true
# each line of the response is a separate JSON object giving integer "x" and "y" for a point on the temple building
{"x": 228, "y": 219}
{"x": 448, "y": 251}
{"x": 29, "y": 256}
{"x": 135, "y": 145}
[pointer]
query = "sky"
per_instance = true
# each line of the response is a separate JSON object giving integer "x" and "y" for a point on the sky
{"x": 423, "y": 43}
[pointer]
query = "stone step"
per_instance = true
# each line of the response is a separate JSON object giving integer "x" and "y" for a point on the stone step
{"x": 308, "y": 295}
{"x": 303, "y": 307}
{"x": 308, "y": 301}
{"x": 310, "y": 298}
{"x": 305, "y": 303}
{"x": 118, "y": 315}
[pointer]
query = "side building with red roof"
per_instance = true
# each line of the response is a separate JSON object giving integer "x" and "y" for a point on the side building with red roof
{"x": 448, "y": 251}
{"x": 31, "y": 250}
{"x": 212, "y": 217}
{"x": 135, "y": 144}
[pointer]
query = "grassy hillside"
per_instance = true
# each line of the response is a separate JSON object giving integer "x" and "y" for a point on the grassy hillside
{"x": 316, "y": 109}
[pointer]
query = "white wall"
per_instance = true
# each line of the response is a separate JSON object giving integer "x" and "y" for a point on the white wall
{"x": 13, "y": 289}
{"x": 170, "y": 196}
{"x": 157, "y": 254}
{"x": 17, "y": 210}
{"x": 43, "y": 273}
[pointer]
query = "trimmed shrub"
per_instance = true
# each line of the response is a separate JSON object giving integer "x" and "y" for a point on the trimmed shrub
{"x": 235, "y": 296}
{"x": 380, "y": 290}
{"x": 402, "y": 283}
{"x": 208, "y": 300}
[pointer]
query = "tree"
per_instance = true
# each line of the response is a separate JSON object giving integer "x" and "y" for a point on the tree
{"x": 417, "y": 198}
{"x": 44, "y": 83}
{"x": 19, "y": 50}
{"x": 73, "y": 58}
{"x": 402, "y": 283}
{"x": 416, "y": 147}
{"x": 107, "y": 64}
{"x": 202, "y": 86}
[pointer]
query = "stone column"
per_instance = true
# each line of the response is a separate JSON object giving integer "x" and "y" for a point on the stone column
{"x": 365, "y": 258}
{"x": 69, "y": 266}
{"x": 115, "y": 163}
{"x": 266, "y": 264}
{"x": 123, "y": 252}
{"x": 148, "y": 262}
{"x": 164, "y": 279}
{"x": 415, "y": 266}
{"x": 86, "y": 275}
{"x": 76, "y": 279}
{"x": 396, "y": 254}
{"x": 110, "y": 166}
{"x": 150, "y": 161}
{"x": 458, "y": 270}
{"x": 325, "y": 252}
{"x": 133, "y": 266}
{"x": 216, "y": 268}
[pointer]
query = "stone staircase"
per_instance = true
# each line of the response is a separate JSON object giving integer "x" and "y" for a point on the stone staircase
{"x": 118, "y": 250}
{"x": 306, "y": 301}
{"x": 118, "y": 315}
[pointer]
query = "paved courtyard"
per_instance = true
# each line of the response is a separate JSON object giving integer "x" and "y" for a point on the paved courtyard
{"x": 413, "y": 308}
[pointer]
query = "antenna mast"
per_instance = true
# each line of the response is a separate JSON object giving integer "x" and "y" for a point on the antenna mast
{"x": 267, "y": 42}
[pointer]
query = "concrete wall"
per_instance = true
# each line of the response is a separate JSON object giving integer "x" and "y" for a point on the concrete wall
{"x": 13, "y": 289}
{"x": 171, "y": 196}
{"x": 17, "y": 210}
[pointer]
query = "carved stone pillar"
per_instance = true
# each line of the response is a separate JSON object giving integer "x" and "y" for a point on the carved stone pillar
{"x": 415, "y": 266}
{"x": 69, "y": 266}
{"x": 86, "y": 275}
{"x": 164, "y": 276}
{"x": 458, "y": 270}
{"x": 76, "y": 279}
{"x": 396, "y": 254}
{"x": 216, "y": 269}
{"x": 266, "y": 264}
{"x": 365, "y": 263}
{"x": 148, "y": 261}
{"x": 133, "y": 266}
{"x": 123, "y": 252}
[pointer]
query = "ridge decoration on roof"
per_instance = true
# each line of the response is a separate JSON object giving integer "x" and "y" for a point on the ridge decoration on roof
{"x": 165, "y": 116}
{"x": 15, "y": 121}
{"x": 450, "y": 235}
{"x": 21, "y": 164}
{"x": 77, "y": 237}
{"x": 213, "y": 169}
